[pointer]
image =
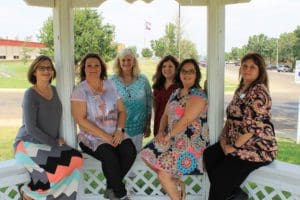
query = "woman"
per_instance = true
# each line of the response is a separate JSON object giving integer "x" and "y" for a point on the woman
{"x": 183, "y": 133}
{"x": 163, "y": 86}
{"x": 54, "y": 167}
{"x": 100, "y": 114}
{"x": 135, "y": 91}
{"x": 247, "y": 141}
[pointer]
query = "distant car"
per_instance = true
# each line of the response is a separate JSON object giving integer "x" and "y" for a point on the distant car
{"x": 203, "y": 63}
{"x": 284, "y": 68}
{"x": 271, "y": 67}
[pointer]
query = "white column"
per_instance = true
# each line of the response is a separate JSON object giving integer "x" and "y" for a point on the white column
{"x": 216, "y": 63}
{"x": 64, "y": 62}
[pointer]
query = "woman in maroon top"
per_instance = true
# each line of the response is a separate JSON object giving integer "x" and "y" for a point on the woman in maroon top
{"x": 163, "y": 86}
{"x": 247, "y": 141}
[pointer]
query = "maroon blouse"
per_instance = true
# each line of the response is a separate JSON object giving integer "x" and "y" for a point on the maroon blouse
{"x": 161, "y": 97}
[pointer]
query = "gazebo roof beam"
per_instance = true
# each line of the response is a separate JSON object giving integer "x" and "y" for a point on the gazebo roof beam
{"x": 97, "y": 3}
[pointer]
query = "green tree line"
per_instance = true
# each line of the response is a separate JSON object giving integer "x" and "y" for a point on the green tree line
{"x": 286, "y": 48}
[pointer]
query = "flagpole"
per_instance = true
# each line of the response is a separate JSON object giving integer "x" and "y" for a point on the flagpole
{"x": 178, "y": 34}
{"x": 145, "y": 33}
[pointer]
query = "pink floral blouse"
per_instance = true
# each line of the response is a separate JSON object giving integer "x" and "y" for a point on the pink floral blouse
{"x": 250, "y": 112}
{"x": 101, "y": 110}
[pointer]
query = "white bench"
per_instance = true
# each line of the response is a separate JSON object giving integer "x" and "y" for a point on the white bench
{"x": 276, "y": 181}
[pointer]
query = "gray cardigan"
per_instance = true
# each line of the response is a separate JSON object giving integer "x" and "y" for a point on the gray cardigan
{"x": 41, "y": 118}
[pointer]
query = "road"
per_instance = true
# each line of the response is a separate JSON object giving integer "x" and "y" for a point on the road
{"x": 285, "y": 95}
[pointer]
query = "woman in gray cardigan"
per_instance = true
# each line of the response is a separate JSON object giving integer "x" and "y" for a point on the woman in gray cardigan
{"x": 53, "y": 166}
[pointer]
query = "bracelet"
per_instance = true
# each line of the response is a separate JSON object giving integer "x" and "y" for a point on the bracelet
{"x": 172, "y": 138}
{"x": 121, "y": 129}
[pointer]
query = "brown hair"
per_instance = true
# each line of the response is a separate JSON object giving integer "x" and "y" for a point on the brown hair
{"x": 103, "y": 74}
{"x": 158, "y": 78}
{"x": 197, "y": 69}
{"x": 35, "y": 63}
{"x": 262, "y": 74}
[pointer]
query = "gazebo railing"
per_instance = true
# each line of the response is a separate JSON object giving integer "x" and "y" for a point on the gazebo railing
{"x": 278, "y": 181}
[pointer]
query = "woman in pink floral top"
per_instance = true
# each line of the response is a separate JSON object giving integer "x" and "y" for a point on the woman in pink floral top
{"x": 183, "y": 133}
{"x": 100, "y": 113}
{"x": 247, "y": 141}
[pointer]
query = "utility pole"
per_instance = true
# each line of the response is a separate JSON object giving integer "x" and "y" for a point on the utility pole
{"x": 277, "y": 52}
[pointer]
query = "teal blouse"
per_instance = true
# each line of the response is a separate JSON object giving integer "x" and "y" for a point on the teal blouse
{"x": 137, "y": 98}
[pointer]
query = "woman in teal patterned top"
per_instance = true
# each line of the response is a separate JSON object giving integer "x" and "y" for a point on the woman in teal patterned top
{"x": 135, "y": 90}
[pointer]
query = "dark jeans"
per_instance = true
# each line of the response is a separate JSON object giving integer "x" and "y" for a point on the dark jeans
{"x": 116, "y": 162}
{"x": 225, "y": 172}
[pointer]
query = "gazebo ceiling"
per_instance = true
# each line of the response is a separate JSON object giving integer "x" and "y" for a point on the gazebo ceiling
{"x": 97, "y": 3}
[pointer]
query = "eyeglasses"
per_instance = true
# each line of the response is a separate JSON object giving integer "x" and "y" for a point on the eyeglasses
{"x": 44, "y": 68}
{"x": 187, "y": 72}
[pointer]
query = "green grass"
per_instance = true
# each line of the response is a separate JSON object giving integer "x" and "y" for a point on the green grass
{"x": 7, "y": 136}
{"x": 288, "y": 149}
{"x": 14, "y": 74}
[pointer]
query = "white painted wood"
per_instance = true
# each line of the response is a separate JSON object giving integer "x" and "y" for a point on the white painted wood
{"x": 64, "y": 62}
{"x": 216, "y": 63}
{"x": 86, "y": 3}
{"x": 12, "y": 173}
{"x": 41, "y": 3}
{"x": 97, "y": 3}
{"x": 282, "y": 178}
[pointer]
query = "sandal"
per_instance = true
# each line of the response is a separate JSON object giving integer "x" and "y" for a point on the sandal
{"x": 181, "y": 189}
{"x": 21, "y": 192}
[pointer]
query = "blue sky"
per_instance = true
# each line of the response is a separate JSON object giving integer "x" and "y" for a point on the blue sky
{"x": 270, "y": 17}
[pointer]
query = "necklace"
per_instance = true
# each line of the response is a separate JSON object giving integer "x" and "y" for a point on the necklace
{"x": 97, "y": 89}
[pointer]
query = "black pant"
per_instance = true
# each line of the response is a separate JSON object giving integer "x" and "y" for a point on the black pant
{"x": 226, "y": 173}
{"x": 116, "y": 162}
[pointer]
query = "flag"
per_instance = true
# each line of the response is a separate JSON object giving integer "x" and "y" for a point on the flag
{"x": 147, "y": 25}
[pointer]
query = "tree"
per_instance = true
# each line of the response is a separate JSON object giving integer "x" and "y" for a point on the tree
{"x": 258, "y": 44}
{"x": 147, "y": 53}
{"x": 47, "y": 37}
{"x": 187, "y": 49}
{"x": 90, "y": 35}
{"x": 134, "y": 50}
{"x": 26, "y": 50}
{"x": 286, "y": 46}
{"x": 167, "y": 45}
{"x": 297, "y": 43}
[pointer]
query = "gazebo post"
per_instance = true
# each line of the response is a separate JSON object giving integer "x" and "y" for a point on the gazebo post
{"x": 64, "y": 62}
{"x": 216, "y": 64}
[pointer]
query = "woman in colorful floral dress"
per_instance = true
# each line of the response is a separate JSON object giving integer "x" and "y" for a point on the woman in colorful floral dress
{"x": 183, "y": 133}
{"x": 247, "y": 141}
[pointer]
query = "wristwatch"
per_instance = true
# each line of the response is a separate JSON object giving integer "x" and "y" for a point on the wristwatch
{"x": 121, "y": 129}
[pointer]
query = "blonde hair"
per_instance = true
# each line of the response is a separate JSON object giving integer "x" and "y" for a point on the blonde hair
{"x": 117, "y": 66}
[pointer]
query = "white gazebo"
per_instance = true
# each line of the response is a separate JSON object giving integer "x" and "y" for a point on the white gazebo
{"x": 277, "y": 181}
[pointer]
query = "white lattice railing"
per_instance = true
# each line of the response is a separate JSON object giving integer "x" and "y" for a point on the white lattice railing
{"x": 278, "y": 181}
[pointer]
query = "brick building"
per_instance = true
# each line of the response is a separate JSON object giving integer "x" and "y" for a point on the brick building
{"x": 16, "y": 49}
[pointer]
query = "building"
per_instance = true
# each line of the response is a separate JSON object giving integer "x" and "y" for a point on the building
{"x": 17, "y": 50}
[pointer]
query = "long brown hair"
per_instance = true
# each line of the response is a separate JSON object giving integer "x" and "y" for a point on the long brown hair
{"x": 158, "y": 78}
{"x": 262, "y": 74}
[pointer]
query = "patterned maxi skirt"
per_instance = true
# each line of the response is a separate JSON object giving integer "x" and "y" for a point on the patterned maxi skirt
{"x": 54, "y": 171}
